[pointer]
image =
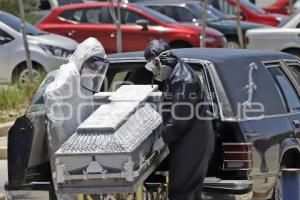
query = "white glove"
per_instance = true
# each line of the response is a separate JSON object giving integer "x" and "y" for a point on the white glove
{"x": 158, "y": 144}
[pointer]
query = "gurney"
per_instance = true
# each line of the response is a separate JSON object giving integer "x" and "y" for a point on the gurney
{"x": 111, "y": 152}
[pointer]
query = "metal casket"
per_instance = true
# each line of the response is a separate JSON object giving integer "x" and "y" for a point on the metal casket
{"x": 112, "y": 149}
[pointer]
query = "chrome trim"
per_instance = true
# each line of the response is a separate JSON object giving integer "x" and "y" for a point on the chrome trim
{"x": 207, "y": 65}
{"x": 251, "y": 85}
{"x": 238, "y": 143}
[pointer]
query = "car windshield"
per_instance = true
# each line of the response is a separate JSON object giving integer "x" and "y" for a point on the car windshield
{"x": 156, "y": 14}
{"x": 212, "y": 13}
{"x": 15, "y": 23}
{"x": 286, "y": 21}
{"x": 252, "y": 7}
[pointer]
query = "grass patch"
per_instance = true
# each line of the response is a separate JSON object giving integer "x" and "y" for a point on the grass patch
{"x": 14, "y": 99}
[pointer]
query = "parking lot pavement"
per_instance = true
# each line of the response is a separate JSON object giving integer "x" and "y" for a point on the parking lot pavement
{"x": 3, "y": 148}
{"x": 3, "y": 176}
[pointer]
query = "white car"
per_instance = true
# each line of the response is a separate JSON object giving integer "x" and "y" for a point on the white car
{"x": 285, "y": 38}
{"x": 48, "y": 51}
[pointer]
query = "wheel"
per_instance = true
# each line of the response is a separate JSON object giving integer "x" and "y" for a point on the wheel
{"x": 233, "y": 44}
{"x": 21, "y": 74}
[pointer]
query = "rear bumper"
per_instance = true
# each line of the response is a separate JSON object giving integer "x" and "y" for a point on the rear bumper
{"x": 213, "y": 189}
{"x": 227, "y": 189}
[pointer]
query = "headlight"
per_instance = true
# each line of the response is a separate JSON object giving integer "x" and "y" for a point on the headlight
{"x": 56, "y": 51}
{"x": 279, "y": 19}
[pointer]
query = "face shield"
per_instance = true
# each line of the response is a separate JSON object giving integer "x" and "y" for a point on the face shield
{"x": 93, "y": 73}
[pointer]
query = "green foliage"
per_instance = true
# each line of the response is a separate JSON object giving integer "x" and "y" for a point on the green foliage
{"x": 12, "y": 6}
{"x": 15, "y": 98}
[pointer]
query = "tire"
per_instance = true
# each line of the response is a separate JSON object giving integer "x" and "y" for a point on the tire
{"x": 233, "y": 43}
{"x": 21, "y": 74}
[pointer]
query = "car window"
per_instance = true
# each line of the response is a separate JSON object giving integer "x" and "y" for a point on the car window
{"x": 183, "y": 15}
{"x": 73, "y": 15}
{"x": 285, "y": 88}
{"x": 91, "y": 15}
{"x": 159, "y": 16}
{"x": 37, "y": 102}
{"x": 16, "y": 23}
{"x": 135, "y": 73}
{"x": 227, "y": 7}
{"x": 130, "y": 17}
{"x": 295, "y": 69}
{"x": 5, "y": 37}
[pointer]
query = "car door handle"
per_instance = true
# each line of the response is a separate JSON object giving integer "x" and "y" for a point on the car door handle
{"x": 296, "y": 123}
{"x": 112, "y": 35}
{"x": 71, "y": 32}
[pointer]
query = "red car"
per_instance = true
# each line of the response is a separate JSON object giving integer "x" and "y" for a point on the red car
{"x": 251, "y": 12}
{"x": 139, "y": 26}
{"x": 280, "y": 6}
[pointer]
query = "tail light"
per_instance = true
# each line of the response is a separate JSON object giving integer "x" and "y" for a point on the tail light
{"x": 237, "y": 156}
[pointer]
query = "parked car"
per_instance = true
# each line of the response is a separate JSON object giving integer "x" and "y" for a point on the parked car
{"x": 139, "y": 24}
{"x": 48, "y": 51}
{"x": 189, "y": 12}
{"x": 284, "y": 38}
{"x": 249, "y": 12}
{"x": 251, "y": 147}
{"x": 279, "y": 6}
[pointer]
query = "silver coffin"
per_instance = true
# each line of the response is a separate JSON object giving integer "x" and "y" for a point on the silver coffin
{"x": 112, "y": 149}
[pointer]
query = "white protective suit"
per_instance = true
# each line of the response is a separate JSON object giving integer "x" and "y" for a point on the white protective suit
{"x": 67, "y": 103}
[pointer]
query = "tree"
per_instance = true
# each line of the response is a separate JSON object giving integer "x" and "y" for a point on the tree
{"x": 116, "y": 15}
{"x": 24, "y": 34}
{"x": 203, "y": 22}
{"x": 238, "y": 24}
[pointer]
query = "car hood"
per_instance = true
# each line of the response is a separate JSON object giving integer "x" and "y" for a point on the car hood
{"x": 54, "y": 40}
{"x": 196, "y": 29}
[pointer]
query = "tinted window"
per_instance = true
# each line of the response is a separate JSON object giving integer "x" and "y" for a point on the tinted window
{"x": 211, "y": 13}
{"x": 285, "y": 88}
{"x": 15, "y": 23}
{"x": 93, "y": 16}
{"x": 295, "y": 69}
{"x": 130, "y": 17}
{"x": 73, "y": 15}
{"x": 156, "y": 14}
{"x": 182, "y": 14}
{"x": 37, "y": 102}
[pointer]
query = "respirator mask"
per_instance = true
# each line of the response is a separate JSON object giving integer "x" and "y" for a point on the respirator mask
{"x": 160, "y": 72}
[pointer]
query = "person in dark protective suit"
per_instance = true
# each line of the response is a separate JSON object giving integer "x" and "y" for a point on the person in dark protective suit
{"x": 189, "y": 137}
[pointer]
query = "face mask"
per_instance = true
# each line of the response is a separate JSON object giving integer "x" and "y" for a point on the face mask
{"x": 92, "y": 73}
{"x": 164, "y": 73}
{"x": 160, "y": 72}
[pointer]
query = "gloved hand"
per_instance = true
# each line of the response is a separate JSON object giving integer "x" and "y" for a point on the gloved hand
{"x": 158, "y": 144}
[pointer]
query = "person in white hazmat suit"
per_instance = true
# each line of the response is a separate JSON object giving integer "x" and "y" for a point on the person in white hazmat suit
{"x": 69, "y": 98}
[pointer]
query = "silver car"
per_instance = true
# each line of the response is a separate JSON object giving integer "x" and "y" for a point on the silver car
{"x": 48, "y": 51}
{"x": 285, "y": 38}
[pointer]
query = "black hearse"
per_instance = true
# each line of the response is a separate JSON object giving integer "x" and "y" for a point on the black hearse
{"x": 255, "y": 103}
